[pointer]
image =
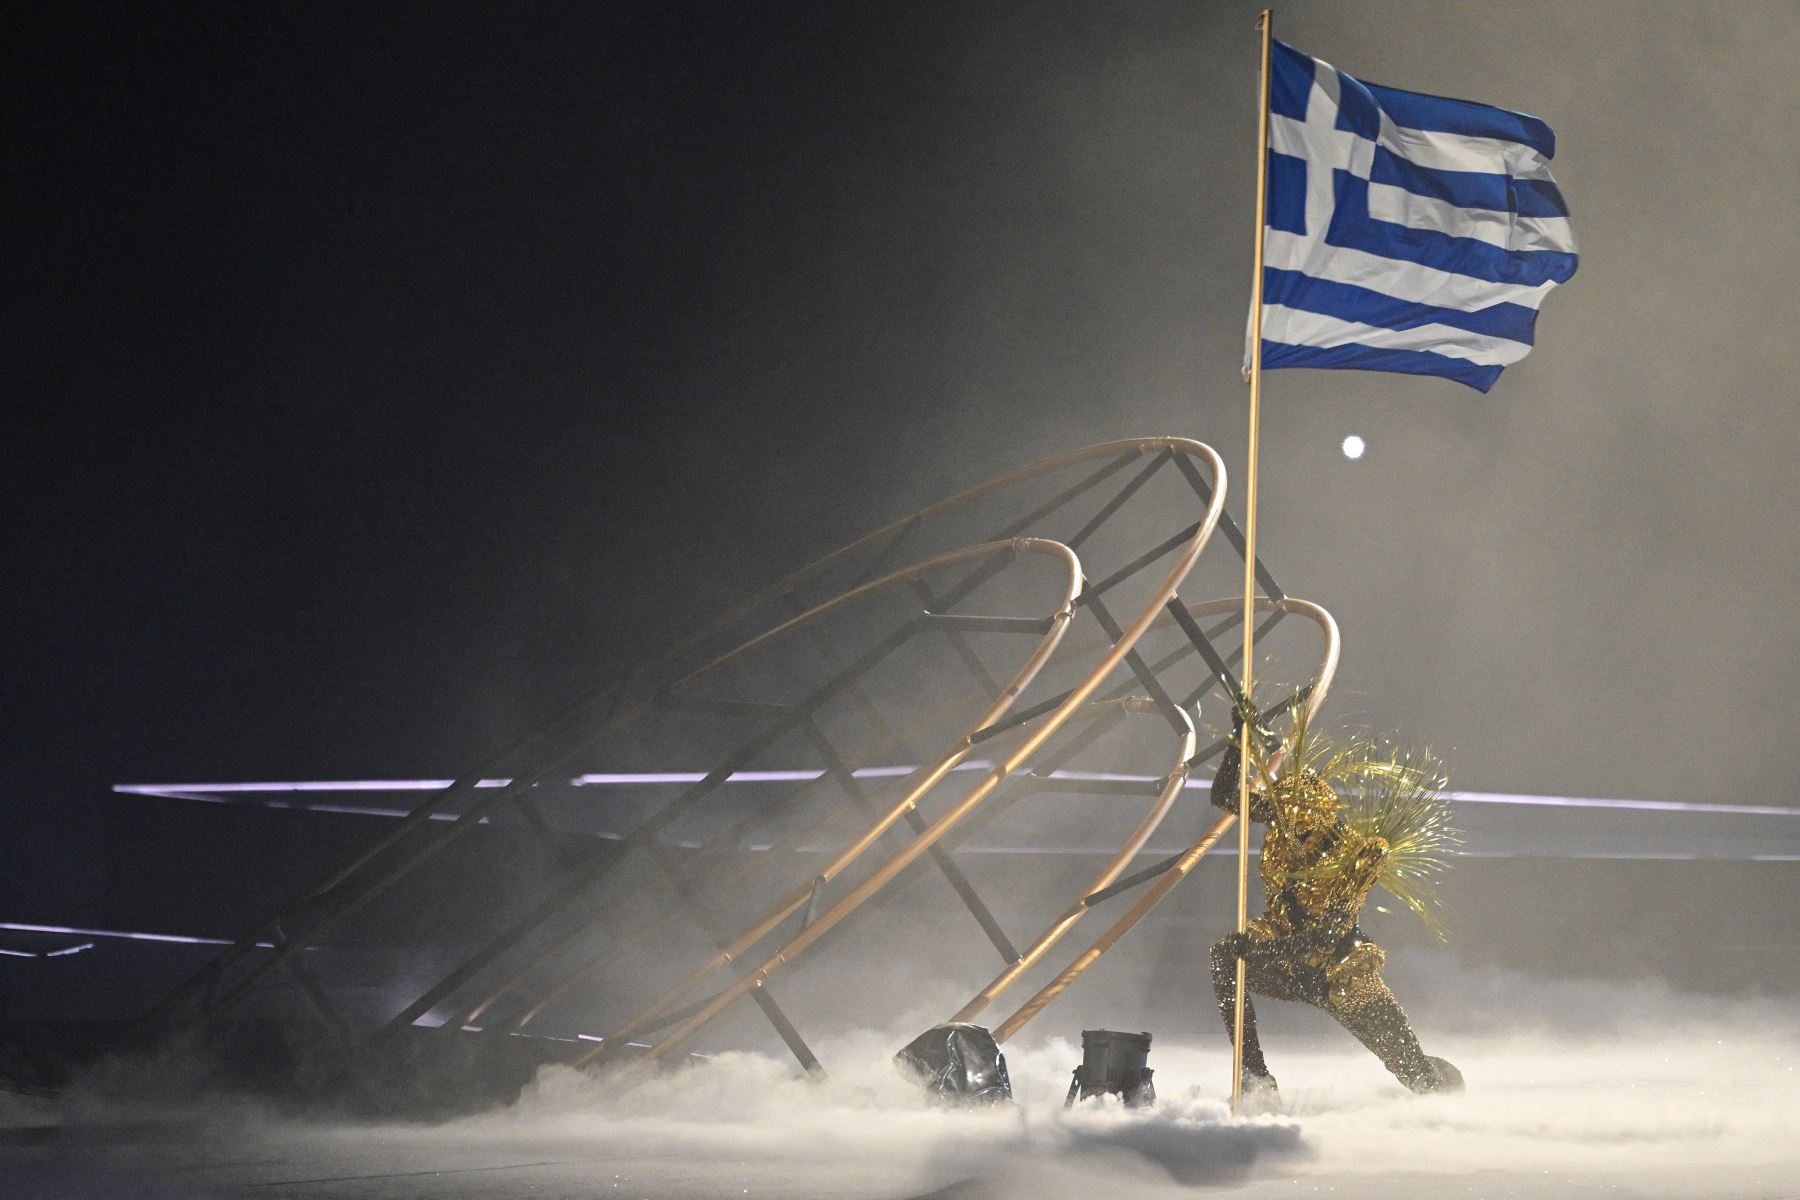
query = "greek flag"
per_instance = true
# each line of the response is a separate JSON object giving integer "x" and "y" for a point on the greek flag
{"x": 1405, "y": 232}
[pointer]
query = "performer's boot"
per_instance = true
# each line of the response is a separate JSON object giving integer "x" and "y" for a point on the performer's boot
{"x": 1449, "y": 1078}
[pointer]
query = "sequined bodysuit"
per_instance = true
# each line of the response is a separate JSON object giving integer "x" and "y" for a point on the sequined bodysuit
{"x": 1317, "y": 872}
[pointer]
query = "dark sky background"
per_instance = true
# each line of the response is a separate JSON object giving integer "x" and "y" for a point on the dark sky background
{"x": 382, "y": 376}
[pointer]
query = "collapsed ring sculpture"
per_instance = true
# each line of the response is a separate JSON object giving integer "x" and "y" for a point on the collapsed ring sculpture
{"x": 543, "y": 960}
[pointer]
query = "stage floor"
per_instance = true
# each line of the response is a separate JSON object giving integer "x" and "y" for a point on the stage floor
{"x": 1661, "y": 1103}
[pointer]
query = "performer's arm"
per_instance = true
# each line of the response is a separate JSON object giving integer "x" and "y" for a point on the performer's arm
{"x": 1225, "y": 782}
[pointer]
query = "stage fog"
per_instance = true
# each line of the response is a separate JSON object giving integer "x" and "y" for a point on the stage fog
{"x": 492, "y": 398}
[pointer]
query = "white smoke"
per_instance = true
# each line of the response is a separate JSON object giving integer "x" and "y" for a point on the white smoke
{"x": 1591, "y": 1089}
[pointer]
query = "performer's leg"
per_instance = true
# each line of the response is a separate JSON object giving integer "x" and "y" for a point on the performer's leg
{"x": 1224, "y": 980}
{"x": 1266, "y": 974}
{"x": 1364, "y": 1005}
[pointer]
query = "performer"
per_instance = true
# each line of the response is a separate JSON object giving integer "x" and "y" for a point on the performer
{"x": 1319, "y": 863}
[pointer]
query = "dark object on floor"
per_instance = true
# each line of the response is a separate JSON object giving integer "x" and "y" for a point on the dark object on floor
{"x": 1113, "y": 1064}
{"x": 958, "y": 1064}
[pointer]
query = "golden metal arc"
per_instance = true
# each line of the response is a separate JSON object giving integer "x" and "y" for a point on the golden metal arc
{"x": 1010, "y": 735}
{"x": 911, "y": 788}
{"x": 1190, "y": 857}
{"x": 1033, "y": 736}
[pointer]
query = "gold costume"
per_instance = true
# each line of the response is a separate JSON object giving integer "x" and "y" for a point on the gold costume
{"x": 1320, "y": 859}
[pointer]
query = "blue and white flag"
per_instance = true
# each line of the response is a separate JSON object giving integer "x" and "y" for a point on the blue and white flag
{"x": 1405, "y": 232}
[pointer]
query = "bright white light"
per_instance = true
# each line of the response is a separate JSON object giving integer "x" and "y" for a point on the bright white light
{"x": 1354, "y": 447}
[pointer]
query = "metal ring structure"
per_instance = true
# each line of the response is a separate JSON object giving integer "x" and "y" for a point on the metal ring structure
{"x": 1189, "y": 858}
{"x": 1173, "y": 782}
{"x": 1055, "y": 625}
{"x": 573, "y": 977}
{"x": 612, "y": 708}
{"x": 661, "y": 1013}
{"x": 911, "y": 789}
{"x": 1011, "y": 761}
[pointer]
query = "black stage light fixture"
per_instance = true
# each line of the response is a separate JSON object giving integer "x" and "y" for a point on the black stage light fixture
{"x": 1113, "y": 1064}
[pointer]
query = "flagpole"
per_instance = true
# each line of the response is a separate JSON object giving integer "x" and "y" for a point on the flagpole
{"x": 1265, "y": 23}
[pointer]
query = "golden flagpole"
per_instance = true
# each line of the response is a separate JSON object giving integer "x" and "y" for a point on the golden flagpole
{"x": 1265, "y": 23}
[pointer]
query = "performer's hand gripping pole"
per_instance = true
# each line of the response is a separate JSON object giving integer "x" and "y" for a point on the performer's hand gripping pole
{"x": 1265, "y": 24}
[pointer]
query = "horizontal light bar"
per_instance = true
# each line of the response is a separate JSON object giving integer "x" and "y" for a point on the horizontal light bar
{"x": 62, "y": 953}
{"x": 215, "y": 792}
{"x": 1753, "y": 810}
{"x": 649, "y": 777}
{"x": 128, "y": 935}
{"x": 427, "y": 1021}
{"x": 311, "y": 785}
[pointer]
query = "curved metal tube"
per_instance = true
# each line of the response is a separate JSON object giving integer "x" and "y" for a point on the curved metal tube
{"x": 1120, "y": 455}
{"x": 912, "y": 787}
{"x": 1165, "y": 800}
{"x": 570, "y": 978}
{"x": 1011, "y": 761}
{"x": 331, "y": 900}
{"x": 1192, "y": 855}
{"x": 1099, "y": 450}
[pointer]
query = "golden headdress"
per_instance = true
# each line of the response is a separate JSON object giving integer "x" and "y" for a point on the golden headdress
{"x": 1382, "y": 792}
